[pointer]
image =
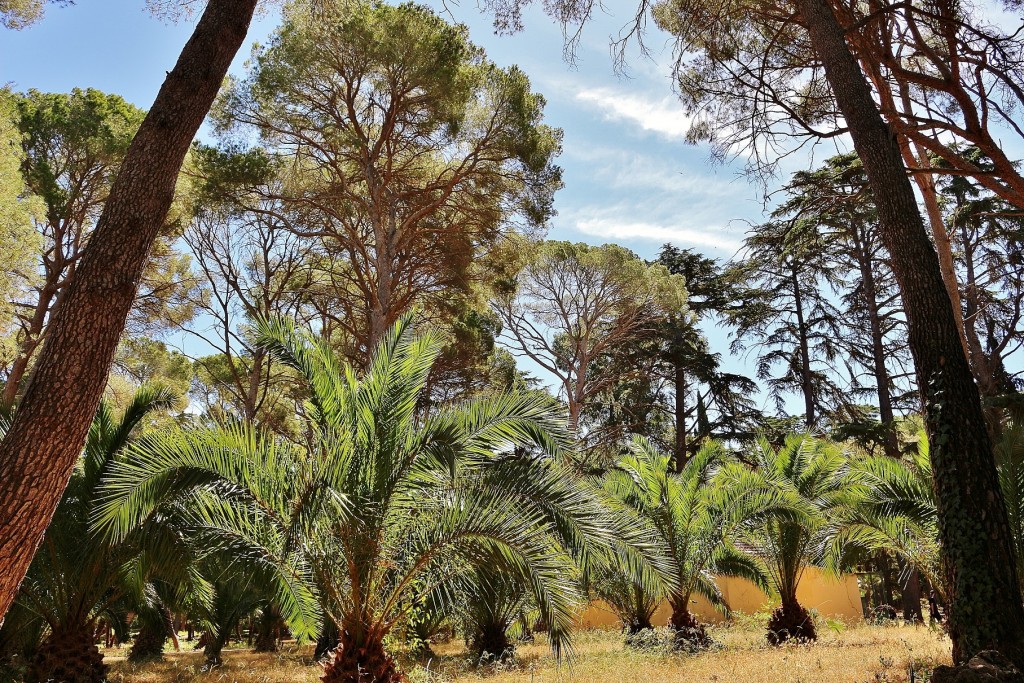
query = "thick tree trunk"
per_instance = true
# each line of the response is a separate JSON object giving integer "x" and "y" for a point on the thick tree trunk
{"x": 68, "y": 655}
{"x": 986, "y": 612}
{"x": 52, "y": 420}
{"x": 214, "y": 645}
{"x": 356, "y": 662}
{"x": 690, "y": 634}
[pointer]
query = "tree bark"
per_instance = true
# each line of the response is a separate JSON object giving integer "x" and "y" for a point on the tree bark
{"x": 680, "y": 416}
{"x": 806, "y": 380}
{"x": 52, "y": 420}
{"x": 885, "y": 411}
{"x": 986, "y": 612}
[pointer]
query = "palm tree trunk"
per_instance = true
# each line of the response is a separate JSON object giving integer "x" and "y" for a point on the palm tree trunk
{"x": 53, "y": 417}
{"x": 986, "y": 611}
{"x": 357, "y": 660}
{"x": 690, "y": 634}
{"x": 69, "y": 655}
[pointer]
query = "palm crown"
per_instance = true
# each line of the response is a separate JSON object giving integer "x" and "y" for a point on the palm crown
{"x": 382, "y": 495}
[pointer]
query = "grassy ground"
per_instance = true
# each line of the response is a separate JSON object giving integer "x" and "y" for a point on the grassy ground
{"x": 862, "y": 654}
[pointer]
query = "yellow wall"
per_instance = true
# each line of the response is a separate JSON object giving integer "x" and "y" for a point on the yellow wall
{"x": 830, "y": 597}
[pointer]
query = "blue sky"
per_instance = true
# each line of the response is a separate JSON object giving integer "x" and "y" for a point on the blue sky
{"x": 629, "y": 175}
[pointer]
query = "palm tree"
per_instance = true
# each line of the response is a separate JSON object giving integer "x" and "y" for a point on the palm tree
{"x": 891, "y": 509}
{"x": 632, "y": 600}
{"x": 894, "y": 509}
{"x": 495, "y": 607}
{"x": 810, "y": 477}
{"x": 696, "y": 521}
{"x": 383, "y": 494}
{"x": 76, "y": 578}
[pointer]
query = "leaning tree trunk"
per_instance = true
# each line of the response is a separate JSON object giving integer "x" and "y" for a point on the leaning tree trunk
{"x": 54, "y": 414}
{"x": 986, "y": 612}
{"x": 68, "y": 655}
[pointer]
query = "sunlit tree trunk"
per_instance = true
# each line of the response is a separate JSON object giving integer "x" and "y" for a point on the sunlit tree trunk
{"x": 40, "y": 449}
{"x": 985, "y": 608}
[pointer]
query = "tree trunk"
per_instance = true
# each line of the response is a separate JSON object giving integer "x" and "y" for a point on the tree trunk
{"x": 52, "y": 420}
{"x": 806, "y": 381}
{"x": 680, "y": 415}
{"x": 214, "y": 645}
{"x": 986, "y": 612}
{"x": 911, "y": 596}
{"x": 358, "y": 662}
{"x": 327, "y": 641}
{"x": 880, "y": 371}
{"x": 690, "y": 634}
{"x": 68, "y": 655}
{"x": 268, "y": 629}
{"x": 790, "y": 621}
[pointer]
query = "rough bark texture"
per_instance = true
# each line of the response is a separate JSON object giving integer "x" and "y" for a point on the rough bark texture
{"x": 214, "y": 644}
{"x": 986, "y": 611}
{"x": 911, "y": 597}
{"x": 358, "y": 663}
{"x": 268, "y": 630}
{"x": 327, "y": 641}
{"x": 153, "y": 633}
{"x": 690, "y": 634}
{"x": 791, "y": 622}
{"x": 68, "y": 656}
{"x": 53, "y": 417}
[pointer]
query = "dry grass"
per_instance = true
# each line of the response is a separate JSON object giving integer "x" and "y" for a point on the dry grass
{"x": 863, "y": 654}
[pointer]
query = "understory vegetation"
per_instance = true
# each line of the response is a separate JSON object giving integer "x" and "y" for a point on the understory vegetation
{"x": 334, "y": 405}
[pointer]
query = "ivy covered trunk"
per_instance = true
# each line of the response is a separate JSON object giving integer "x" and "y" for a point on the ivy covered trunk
{"x": 985, "y": 611}
{"x": 50, "y": 426}
{"x": 69, "y": 655}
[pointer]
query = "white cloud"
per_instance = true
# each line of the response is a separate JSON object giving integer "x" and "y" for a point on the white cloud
{"x": 608, "y": 227}
{"x": 662, "y": 116}
{"x": 627, "y": 169}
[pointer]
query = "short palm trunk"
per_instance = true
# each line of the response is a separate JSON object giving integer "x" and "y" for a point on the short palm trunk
{"x": 791, "y": 622}
{"x": 68, "y": 655}
{"x": 689, "y": 634}
{"x": 268, "y": 631}
{"x": 490, "y": 643}
{"x": 365, "y": 662}
{"x": 149, "y": 644}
